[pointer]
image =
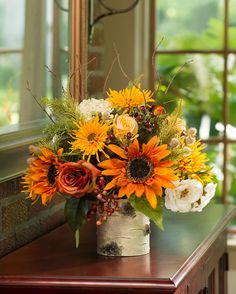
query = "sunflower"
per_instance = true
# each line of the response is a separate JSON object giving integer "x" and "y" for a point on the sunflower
{"x": 40, "y": 177}
{"x": 194, "y": 165}
{"x": 129, "y": 97}
{"x": 90, "y": 137}
{"x": 140, "y": 171}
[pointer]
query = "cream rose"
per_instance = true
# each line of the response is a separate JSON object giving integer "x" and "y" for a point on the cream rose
{"x": 124, "y": 124}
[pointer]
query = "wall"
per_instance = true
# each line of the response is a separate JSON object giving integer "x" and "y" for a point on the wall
{"x": 22, "y": 222}
{"x": 130, "y": 32}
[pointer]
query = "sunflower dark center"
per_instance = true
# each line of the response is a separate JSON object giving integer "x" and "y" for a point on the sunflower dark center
{"x": 139, "y": 169}
{"x": 91, "y": 137}
{"x": 52, "y": 172}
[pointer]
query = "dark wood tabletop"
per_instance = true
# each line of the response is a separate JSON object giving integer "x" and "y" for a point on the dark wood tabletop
{"x": 53, "y": 260}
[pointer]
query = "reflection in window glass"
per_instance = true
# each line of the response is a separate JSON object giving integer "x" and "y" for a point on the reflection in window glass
{"x": 190, "y": 24}
{"x": 64, "y": 25}
{"x": 12, "y": 33}
{"x": 199, "y": 83}
{"x": 10, "y": 70}
{"x": 29, "y": 55}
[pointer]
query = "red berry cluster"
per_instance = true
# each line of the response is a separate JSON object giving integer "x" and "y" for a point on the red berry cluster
{"x": 105, "y": 205}
{"x": 145, "y": 117}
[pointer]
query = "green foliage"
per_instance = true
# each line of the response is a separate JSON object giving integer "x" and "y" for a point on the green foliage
{"x": 75, "y": 214}
{"x": 167, "y": 129}
{"x": 64, "y": 114}
{"x": 142, "y": 205}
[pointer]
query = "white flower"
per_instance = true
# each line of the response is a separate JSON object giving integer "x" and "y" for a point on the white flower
{"x": 89, "y": 107}
{"x": 209, "y": 192}
{"x": 184, "y": 195}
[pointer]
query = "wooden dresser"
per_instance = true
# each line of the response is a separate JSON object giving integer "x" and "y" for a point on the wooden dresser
{"x": 189, "y": 256}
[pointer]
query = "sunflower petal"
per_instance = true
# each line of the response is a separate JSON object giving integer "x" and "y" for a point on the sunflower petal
{"x": 122, "y": 192}
{"x": 111, "y": 172}
{"x": 112, "y": 163}
{"x": 117, "y": 150}
{"x": 133, "y": 149}
{"x": 130, "y": 189}
{"x": 110, "y": 185}
{"x": 139, "y": 190}
{"x": 165, "y": 182}
{"x": 151, "y": 197}
{"x": 157, "y": 189}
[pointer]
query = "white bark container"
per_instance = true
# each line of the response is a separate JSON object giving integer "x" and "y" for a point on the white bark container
{"x": 125, "y": 233}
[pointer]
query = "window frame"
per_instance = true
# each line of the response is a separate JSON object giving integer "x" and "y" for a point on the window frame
{"x": 225, "y": 51}
{"x": 15, "y": 142}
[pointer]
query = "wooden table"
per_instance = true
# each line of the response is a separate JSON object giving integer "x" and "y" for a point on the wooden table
{"x": 188, "y": 257}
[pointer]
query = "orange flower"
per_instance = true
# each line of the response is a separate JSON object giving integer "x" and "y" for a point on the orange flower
{"x": 159, "y": 110}
{"x": 140, "y": 171}
{"x": 40, "y": 177}
{"x": 77, "y": 178}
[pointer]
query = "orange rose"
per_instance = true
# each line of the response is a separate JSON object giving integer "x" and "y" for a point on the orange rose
{"x": 77, "y": 178}
{"x": 124, "y": 124}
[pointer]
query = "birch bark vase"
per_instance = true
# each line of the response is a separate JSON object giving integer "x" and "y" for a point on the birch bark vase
{"x": 125, "y": 233}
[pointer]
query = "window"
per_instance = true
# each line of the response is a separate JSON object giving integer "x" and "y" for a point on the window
{"x": 33, "y": 36}
{"x": 34, "y": 48}
{"x": 201, "y": 35}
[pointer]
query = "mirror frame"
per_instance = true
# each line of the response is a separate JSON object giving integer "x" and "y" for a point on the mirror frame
{"x": 14, "y": 145}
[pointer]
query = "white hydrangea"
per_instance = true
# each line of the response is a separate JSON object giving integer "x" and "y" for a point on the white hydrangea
{"x": 189, "y": 196}
{"x": 89, "y": 107}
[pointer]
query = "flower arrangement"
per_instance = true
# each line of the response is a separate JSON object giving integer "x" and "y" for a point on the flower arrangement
{"x": 125, "y": 146}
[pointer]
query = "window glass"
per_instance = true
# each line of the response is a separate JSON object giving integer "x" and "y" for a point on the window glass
{"x": 12, "y": 23}
{"x": 199, "y": 84}
{"x": 231, "y": 126}
{"x": 10, "y": 70}
{"x": 30, "y": 58}
{"x": 188, "y": 24}
{"x": 216, "y": 159}
{"x": 231, "y": 173}
{"x": 232, "y": 24}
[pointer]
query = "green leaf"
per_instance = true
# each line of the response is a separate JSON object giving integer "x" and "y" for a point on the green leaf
{"x": 77, "y": 238}
{"x": 76, "y": 211}
{"x": 142, "y": 205}
{"x": 130, "y": 85}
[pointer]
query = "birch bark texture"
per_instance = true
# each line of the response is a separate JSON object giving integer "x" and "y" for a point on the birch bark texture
{"x": 125, "y": 233}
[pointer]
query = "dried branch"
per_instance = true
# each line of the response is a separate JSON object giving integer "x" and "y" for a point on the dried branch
{"x": 36, "y": 100}
{"x": 178, "y": 71}
{"x": 50, "y": 71}
{"x": 109, "y": 72}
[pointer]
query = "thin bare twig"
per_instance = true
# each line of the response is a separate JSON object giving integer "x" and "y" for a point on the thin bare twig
{"x": 36, "y": 100}
{"x": 119, "y": 63}
{"x": 109, "y": 73}
{"x": 50, "y": 71}
{"x": 178, "y": 71}
{"x": 154, "y": 67}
